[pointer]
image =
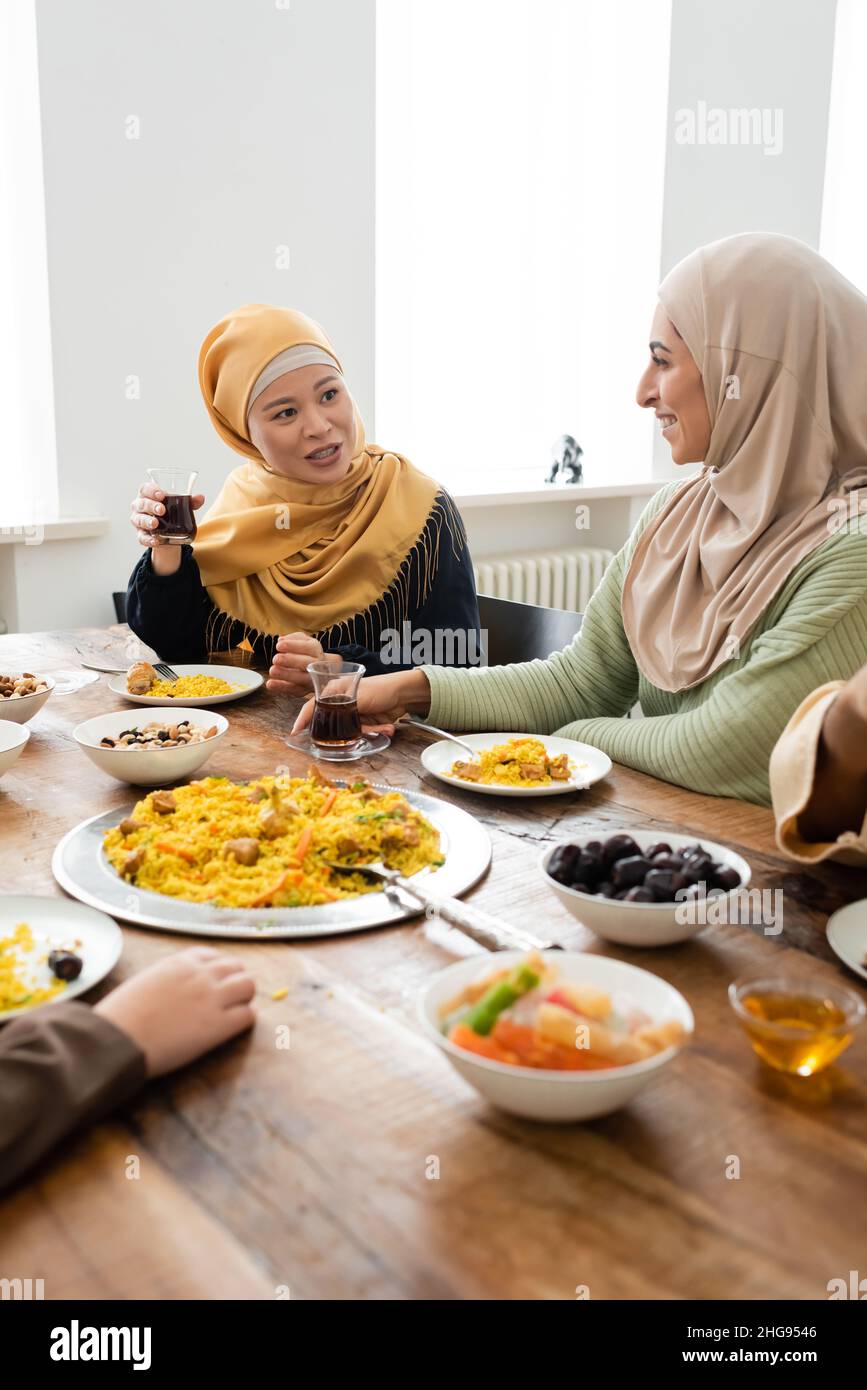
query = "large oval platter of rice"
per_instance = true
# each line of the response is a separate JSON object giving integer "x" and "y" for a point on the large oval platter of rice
{"x": 221, "y": 858}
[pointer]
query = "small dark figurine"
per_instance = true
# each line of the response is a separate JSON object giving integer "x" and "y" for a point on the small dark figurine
{"x": 566, "y": 466}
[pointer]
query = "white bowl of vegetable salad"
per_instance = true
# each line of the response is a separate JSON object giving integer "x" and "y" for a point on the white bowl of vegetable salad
{"x": 557, "y": 1035}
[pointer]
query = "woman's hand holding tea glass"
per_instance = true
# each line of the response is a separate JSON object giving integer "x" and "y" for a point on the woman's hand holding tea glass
{"x": 380, "y": 701}
{"x": 163, "y": 517}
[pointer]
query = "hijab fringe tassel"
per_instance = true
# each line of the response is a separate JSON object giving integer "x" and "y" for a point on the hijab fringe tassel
{"x": 391, "y": 610}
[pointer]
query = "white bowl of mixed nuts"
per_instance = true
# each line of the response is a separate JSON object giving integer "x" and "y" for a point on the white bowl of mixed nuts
{"x": 154, "y": 751}
{"x": 23, "y": 695}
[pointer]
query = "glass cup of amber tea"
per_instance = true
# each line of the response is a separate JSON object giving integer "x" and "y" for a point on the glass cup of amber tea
{"x": 796, "y": 1025}
{"x": 336, "y": 723}
{"x": 177, "y": 525}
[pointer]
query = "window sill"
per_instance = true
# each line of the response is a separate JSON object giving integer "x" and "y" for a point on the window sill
{"x": 72, "y": 528}
{"x": 553, "y": 492}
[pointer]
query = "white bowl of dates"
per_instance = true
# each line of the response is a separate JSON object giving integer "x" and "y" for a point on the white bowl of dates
{"x": 644, "y": 888}
{"x": 166, "y": 746}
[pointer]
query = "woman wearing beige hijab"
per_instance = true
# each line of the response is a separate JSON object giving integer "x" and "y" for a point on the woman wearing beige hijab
{"x": 742, "y": 588}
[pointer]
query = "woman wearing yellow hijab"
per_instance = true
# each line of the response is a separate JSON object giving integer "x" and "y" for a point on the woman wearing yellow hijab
{"x": 318, "y": 542}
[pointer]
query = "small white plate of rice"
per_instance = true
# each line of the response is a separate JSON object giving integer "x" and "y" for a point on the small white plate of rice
{"x": 516, "y": 764}
{"x": 31, "y": 928}
{"x": 197, "y": 685}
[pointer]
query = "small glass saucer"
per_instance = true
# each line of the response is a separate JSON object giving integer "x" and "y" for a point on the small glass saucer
{"x": 366, "y": 746}
{"x": 65, "y": 682}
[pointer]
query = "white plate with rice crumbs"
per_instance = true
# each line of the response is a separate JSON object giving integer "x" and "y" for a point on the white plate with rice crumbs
{"x": 516, "y": 764}
{"x": 199, "y": 685}
{"x": 31, "y": 929}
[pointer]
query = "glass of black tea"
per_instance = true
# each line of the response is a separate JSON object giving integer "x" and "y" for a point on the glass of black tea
{"x": 177, "y": 525}
{"x": 336, "y": 724}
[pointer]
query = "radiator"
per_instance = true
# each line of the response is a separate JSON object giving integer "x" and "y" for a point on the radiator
{"x": 549, "y": 578}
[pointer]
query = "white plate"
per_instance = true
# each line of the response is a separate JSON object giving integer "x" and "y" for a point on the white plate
{"x": 82, "y": 869}
{"x": 438, "y": 757}
{"x": 56, "y": 923}
{"x": 847, "y": 935}
{"x": 233, "y": 675}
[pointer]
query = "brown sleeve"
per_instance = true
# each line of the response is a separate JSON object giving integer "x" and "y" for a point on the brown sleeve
{"x": 59, "y": 1066}
{"x": 792, "y": 777}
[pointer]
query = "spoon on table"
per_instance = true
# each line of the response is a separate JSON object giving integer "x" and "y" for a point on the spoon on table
{"x": 484, "y": 929}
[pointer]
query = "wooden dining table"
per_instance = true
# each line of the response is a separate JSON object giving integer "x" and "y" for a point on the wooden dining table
{"x": 356, "y": 1164}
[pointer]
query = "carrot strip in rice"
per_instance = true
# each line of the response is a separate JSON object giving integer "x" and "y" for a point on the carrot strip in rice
{"x": 277, "y": 888}
{"x": 303, "y": 844}
{"x": 166, "y": 848}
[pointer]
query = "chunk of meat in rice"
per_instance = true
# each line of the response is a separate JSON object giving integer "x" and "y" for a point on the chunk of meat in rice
{"x": 399, "y": 836}
{"x": 133, "y": 862}
{"x": 534, "y": 772}
{"x": 470, "y": 771}
{"x": 244, "y": 850}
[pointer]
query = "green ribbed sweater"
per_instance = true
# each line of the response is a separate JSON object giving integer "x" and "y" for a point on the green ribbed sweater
{"x": 716, "y": 737}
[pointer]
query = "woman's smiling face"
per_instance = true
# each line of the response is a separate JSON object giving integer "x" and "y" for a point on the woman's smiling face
{"x": 304, "y": 425}
{"x": 671, "y": 386}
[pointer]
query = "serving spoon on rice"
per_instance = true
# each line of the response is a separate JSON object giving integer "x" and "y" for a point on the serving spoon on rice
{"x": 484, "y": 929}
{"x": 443, "y": 733}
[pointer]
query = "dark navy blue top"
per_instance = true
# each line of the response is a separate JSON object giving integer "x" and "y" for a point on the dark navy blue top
{"x": 171, "y": 613}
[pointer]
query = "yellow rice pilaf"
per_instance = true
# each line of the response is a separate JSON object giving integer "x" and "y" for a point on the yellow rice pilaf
{"x": 182, "y": 848}
{"x": 188, "y": 687}
{"x": 18, "y": 966}
{"x": 521, "y": 762}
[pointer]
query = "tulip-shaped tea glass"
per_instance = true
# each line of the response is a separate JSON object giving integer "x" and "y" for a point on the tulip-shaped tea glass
{"x": 177, "y": 525}
{"x": 335, "y": 724}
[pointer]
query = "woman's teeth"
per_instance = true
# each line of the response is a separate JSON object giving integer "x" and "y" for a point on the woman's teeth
{"x": 324, "y": 453}
{"x": 665, "y": 421}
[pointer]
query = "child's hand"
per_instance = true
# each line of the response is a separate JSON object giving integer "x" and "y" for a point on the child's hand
{"x": 182, "y": 1006}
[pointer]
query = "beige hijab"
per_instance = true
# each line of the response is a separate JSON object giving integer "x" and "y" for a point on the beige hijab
{"x": 780, "y": 338}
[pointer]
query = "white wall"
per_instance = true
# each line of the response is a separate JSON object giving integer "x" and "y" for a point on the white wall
{"x": 256, "y": 131}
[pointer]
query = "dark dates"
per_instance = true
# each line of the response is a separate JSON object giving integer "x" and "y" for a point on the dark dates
{"x": 617, "y": 868}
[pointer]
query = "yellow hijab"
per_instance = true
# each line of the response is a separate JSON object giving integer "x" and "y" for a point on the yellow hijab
{"x": 284, "y": 556}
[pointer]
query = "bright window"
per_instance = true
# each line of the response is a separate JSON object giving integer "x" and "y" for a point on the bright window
{"x": 520, "y": 169}
{"x": 843, "y": 238}
{"x": 29, "y": 468}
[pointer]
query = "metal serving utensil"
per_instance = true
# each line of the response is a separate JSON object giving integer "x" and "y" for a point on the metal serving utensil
{"x": 443, "y": 733}
{"x": 161, "y": 667}
{"x": 484, "y": 929}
